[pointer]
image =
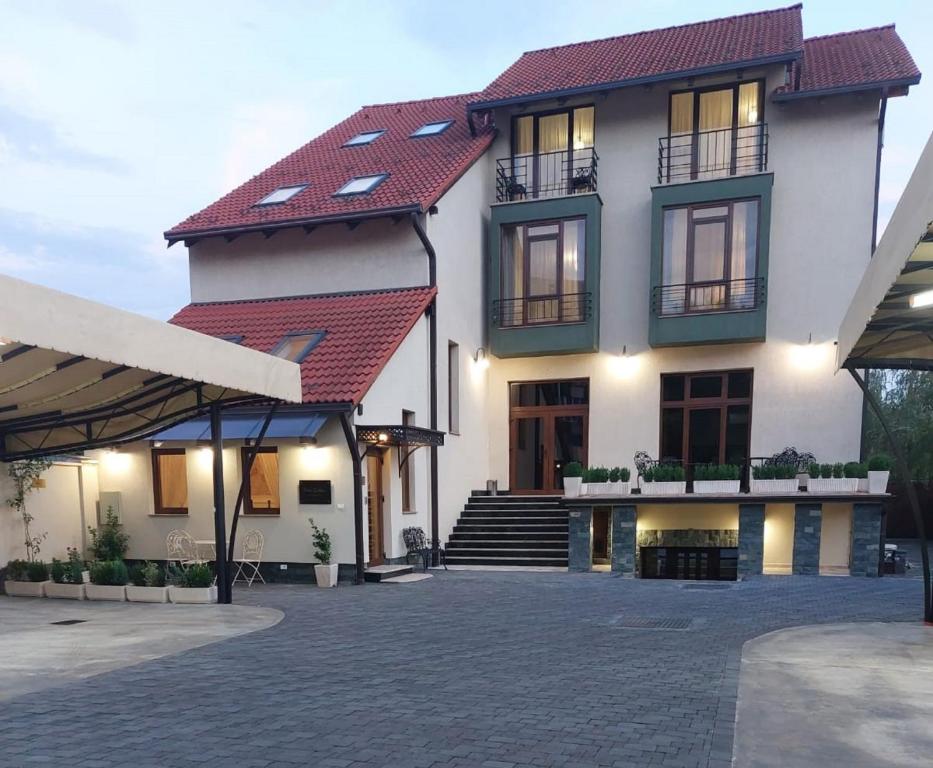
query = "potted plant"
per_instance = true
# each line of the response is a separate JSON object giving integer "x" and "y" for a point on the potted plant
{"x": 859, "y": 471}
{"x": 879, "y": 471}
{"x": 716, "y": 478}
{"x": 325, "y": 572}
{"x": 573, "y": 479}
{"x": 774, "y": 478}
{"x": 148, "y": 584}
{"x": 109, "y": 542}
{"x": 597, "y": 481}
{"x": 108, "y": 581}
{"x": 26, "y": 578}
{"x": 830, "y": 478}
{"x": 663, "y": 480}
{"x": 618, "y": 480}
{"x": 194, "y": 584}
{"x": 67, "y": 577}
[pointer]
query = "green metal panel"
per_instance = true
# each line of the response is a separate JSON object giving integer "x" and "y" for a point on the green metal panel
{"x": 548, "y": 339}
{"x": 718, "y": 327}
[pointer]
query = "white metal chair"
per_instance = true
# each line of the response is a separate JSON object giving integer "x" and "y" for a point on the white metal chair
{"x": 250, "y": 560}
{"x": 182, "y": 548}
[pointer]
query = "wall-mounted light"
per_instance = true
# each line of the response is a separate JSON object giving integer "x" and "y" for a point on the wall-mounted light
{"x": 383, "y": 438}
{"x": 309, "y": 442}
{"x": 481, "y": 358}
{"x": 624, "y": 364}
{"x": 157, "y": 443}
{"x": 808, "y": 356}
{"x": 922, "y": 299}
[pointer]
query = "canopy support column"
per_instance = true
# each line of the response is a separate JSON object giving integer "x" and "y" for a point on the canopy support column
{"x": 220, "y": 519}
{"x": 353, "y": 447}
{"x": 903, "y": 472}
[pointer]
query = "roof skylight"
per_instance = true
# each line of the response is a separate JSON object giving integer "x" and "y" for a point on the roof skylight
{"x": 282, "y": 195}
{"x": 361, "y": 185}
{"x": 432, "y": 129}
{"x": 297, "y": 346}
{"x": 367, "y": 137}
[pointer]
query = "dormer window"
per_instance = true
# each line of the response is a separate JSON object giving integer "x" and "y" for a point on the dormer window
{"x": 282, "y": 195}
{"x": 361, "y": 185}
{"x": 432, "y": 129}
{"x": 361, "y": 139}
{"x": 297, "y": 346}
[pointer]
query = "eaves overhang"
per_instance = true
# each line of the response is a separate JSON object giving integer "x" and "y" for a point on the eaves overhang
{"x": 879, "y": 85}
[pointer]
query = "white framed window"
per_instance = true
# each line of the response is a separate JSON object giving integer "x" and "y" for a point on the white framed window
{"x": 361, "y": 185}
{"x": 282, "y": 194}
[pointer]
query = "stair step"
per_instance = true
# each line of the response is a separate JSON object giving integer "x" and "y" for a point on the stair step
{"x": 500, "y": 535}
{"x": 528, "y": 561}
{"x": 527, "y": 546}
{"x": 379, "y": 573}
{"x": 509, "y": 512}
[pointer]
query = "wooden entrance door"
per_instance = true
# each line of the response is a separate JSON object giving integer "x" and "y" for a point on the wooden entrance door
{"x": 375, "y": 502}
{"x": 548, "y": 427}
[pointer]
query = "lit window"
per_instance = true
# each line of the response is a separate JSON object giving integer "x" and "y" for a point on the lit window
{"x": 432, "y": 129}
{"x": 262, "y": 486}
{"x": 282, "y": 195}
{"x": 367, "y": 137}
{"x": 361, "y": 185}
{"x": 170, "y": 481}
{"x": 297, "y": 346}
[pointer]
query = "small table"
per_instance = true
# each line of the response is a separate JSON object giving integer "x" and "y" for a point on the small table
{"x": 206, "y": 549}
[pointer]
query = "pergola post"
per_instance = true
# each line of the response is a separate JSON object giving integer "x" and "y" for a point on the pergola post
{"x": 220, "y": 520}
{"x": 353, "y": 447}
{"x": 903, "y": 471}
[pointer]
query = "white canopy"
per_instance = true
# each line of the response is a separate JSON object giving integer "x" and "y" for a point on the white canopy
{"x": 883, "y": 327}
{"x": 75, "y": 374}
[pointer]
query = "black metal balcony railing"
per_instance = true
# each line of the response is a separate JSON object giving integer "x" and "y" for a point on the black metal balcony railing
{"x": 713, "y": 154}
{"x": 551, "y": 174}
{"x": 711, "y": 296}
{"x": 542, "y": 310}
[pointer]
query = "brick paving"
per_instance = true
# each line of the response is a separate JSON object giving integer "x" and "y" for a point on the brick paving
{"x": 487, "y": 669}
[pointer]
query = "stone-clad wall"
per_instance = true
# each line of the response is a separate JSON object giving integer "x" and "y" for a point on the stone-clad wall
{"x": 808, "y": 528}
{"x": 866, "y": 539}
{"x": 687, "y": 537}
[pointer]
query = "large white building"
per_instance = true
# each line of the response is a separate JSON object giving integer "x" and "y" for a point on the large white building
{"x": 643, "y": 243}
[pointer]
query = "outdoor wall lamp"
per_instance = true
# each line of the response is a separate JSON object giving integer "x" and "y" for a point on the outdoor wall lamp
{"x": 383, "y": 438}
{"x": 481, "y": 359}
{"x": 308, "y": 442}
{"x": 922, "y": 299}
{"x": 625, "y": 365}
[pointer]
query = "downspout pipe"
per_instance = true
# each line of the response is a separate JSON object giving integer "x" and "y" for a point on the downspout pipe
{"x": 432, "y": 377}
{"x": 874, "y": 220}
{"x": 904, "y": 471}
{"x": 357, "y": 493}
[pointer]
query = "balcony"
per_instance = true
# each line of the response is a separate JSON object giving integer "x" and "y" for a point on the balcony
{"x": 542, "y": 310}
{"x": 707, "y": 297}
{"x": 716, "y": 154}
{"x": 546, "y": 175}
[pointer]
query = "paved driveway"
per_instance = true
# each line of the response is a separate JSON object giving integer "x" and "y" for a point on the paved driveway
{"x": 465, "y": 669}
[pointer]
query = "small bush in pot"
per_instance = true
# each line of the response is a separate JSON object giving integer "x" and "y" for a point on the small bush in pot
{"x": 597, "y": 481}
{"x": 716, "y": 478}
{"x": 831, "y": 478}
{"x": 325, "y": 572}
{"x": 67, "y": 577}
{"x": 839, "y": 470}
{"x": 109, "y": 542}
{"x": 108, "y": 580}
{"x": 573, "y": 478}
{"x": 16, "y": 570}
{"x": 148, "y": 584}
{"x": 664, "y": 480}
{"x": 879, "y": 472}
{"x": 619, "y": 480}
{"x": 774, "y": 478}
{"x": 25, "y": 578}
{"x": 193, "y": 584}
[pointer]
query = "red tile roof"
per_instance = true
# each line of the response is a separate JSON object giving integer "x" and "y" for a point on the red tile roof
{"x": 363, "y": 330}
{"x": 646, "y": 56}
{"x": 852, "y": 61}
{"x": 420, "y": 170}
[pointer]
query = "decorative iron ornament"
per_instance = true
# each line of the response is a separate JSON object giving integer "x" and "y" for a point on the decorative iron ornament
{"x": 399, "y": 435}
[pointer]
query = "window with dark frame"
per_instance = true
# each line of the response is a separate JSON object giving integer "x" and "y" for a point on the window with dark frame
{"x": 453, "y": 388}
{"x": 543, "y": 273}
{"x": 709, "y": 257}
{"x": 552, "y": 152}
{"x": 261, "y": 494}
{"x": 170, "y": 481}
{"x": 408, "y": 469}
{"x": 706, "y": 417}
{"x": 297, "y": 346}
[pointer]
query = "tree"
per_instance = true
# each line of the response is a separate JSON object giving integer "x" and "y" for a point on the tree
{"x": 25, "y": 475}
{"x": 906, "y": 397}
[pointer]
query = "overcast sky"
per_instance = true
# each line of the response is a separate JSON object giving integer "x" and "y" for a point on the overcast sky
{"x": 118, "y": 119}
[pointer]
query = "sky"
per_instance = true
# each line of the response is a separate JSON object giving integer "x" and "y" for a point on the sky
{"x": 119, "y": 119}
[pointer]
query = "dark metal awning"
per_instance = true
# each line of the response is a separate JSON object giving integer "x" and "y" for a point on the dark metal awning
{"x": 245, "y": 425}
{"x": 399, "y": 435}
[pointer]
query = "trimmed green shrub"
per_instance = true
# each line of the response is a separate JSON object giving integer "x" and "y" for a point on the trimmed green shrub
{"x": 111, "y": 573}
{"x": 197, "y": 575}
{"x": 70, "y": 571}
{"x": 813, "y": 470}
{"x": 615, "y": 474}
{"x": 625, "y": 474}
{"x": 763, "y": 472}
{"x": 855, "y": 469}
{"x": 716, "y": 472}
{"x": 598, "y": 475}
{"x": 839, "y": 470}
{"x": 664, "y": 473}
{"x": 37, "y": 571}
{"x": 880, "y": 462}
{"x": 16, "y": 570}
{"x": 109, "y": 542}
{"x": 573, "y": 469}
{"x": 826, "y": 471}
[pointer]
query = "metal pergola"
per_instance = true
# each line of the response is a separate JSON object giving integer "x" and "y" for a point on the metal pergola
{"x": 889, "y": 324}
{"x": 76, "y": 375}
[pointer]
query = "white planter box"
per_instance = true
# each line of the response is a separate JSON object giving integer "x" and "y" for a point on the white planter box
{"x": 833, "y": 485}
{"x": 572, "y": 487}
{"x": 146, "y": 594}
{"x": 672, "y": 488}
{"x": 65, "y": 591}
{"x": 326, "y": 575}
{"x": 193, "y": 595}
{"x": 715, "y": 486}
{"x": 598, "y": 489}
{"x": 26, "y": 588}
{"x": 619, "y": 488}
{"x": 791, "y": 485}
{"x": 105, "y": 592}
{"x": 878, "y": 481}
{"x": 863, "y": 485}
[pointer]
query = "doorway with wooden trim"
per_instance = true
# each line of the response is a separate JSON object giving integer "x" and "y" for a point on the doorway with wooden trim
{"x": 548, "y": 427}
{"x": 375, "y": 502}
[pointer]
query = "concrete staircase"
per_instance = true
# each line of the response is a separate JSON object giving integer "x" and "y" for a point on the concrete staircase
{"x": 510, "y": 530}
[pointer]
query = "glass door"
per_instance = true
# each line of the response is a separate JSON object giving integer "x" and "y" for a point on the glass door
{"x": 527, "y": 449}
